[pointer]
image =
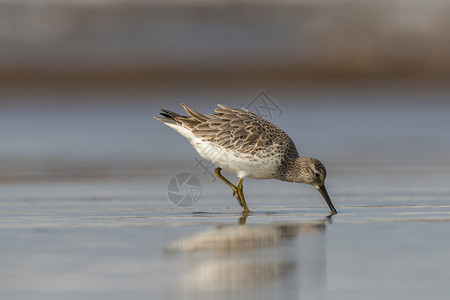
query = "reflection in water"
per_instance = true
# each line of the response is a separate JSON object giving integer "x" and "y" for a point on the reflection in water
{"x": 284, "y": 261}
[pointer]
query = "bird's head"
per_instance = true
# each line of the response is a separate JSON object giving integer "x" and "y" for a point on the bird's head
{"x": 311, "y": 171}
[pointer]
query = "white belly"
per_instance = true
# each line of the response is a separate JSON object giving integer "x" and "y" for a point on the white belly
{"x": 243, "y": 165}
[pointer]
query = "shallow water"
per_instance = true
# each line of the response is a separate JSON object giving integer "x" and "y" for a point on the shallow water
{"x": 111, "y": 239}
{"x": 85, "y": 212}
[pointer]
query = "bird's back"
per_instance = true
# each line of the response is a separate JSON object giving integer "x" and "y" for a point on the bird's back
{"x": 240, "y": 130}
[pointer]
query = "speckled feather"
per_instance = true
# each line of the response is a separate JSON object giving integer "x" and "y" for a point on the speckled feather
{"x": 239, "y": 130}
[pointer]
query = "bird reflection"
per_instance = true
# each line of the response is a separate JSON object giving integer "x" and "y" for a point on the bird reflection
{"x": 257, "y": 261}
{"x": 242, "y": 219}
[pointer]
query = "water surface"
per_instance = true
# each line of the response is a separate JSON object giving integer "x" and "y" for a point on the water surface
{"x": 84, "y": 209}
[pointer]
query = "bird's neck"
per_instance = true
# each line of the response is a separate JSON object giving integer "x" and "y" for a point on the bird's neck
{"x": 293, "y": 170}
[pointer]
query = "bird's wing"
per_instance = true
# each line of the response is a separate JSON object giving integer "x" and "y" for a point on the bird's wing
{"x": 234, "y": 129}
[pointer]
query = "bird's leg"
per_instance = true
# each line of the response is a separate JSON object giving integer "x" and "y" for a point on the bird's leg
{"x": 235, "y": 189}
{"x": 241, "y": 195}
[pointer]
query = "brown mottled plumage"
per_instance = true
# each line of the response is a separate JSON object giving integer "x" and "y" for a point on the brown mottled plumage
{"x": 236, "y": 129}
{"x": 252, "y": 147}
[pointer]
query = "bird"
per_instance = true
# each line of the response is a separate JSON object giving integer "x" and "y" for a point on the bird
{"x": 244, "y": 143}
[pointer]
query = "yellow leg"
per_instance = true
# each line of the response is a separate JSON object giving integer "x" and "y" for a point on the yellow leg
{"x": 235, "y": 189}
{"x": 241, "y": 195}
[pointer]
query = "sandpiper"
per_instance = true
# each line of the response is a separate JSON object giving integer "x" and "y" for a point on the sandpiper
{"x": 245, "y": 144}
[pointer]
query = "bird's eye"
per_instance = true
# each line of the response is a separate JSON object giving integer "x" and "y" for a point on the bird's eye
{"x": 317, "y": 175}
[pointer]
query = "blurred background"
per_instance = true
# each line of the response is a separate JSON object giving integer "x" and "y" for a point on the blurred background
{"x": 81, "y": 80}
{"x": 149, "y": 41}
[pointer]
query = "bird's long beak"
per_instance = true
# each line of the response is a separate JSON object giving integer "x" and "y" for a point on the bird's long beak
{"x": 324, "y": 193}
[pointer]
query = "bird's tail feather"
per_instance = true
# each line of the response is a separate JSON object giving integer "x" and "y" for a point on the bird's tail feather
{"x": 193, "y": 119}
{"x": 170, "y": 117}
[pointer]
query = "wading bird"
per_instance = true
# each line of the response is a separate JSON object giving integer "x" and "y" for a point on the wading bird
{"x": 245, "y": 144}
